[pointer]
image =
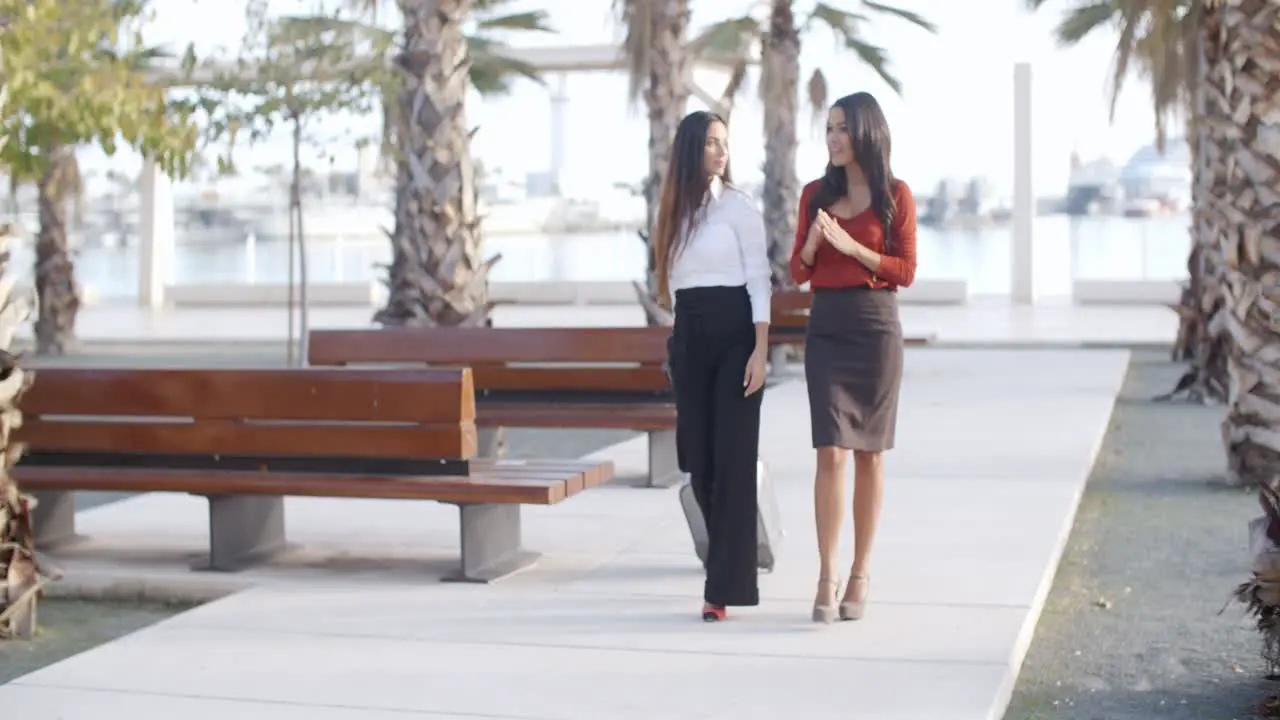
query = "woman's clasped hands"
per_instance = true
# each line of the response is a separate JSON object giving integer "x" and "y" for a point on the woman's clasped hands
{"x": 836, "y": 235}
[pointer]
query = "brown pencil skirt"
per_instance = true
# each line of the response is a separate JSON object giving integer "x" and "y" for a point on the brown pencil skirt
{"x": 853, "y": 367}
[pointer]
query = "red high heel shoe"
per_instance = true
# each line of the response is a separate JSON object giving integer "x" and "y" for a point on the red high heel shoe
{"x": 712, "y": 613}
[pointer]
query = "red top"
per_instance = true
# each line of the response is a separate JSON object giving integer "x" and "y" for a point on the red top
{"x": 833, "y": 269}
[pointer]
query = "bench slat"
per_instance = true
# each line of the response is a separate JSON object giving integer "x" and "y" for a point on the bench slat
{"x": 448, "y": 442}
{"x": 441, "y": 395}
{"x": 528, "y": 484}
{"x": 647, "y": 416}
{"x": 593, "y": 472}
{"x": 651, "y": 378}
{"x": 480, "y": 346}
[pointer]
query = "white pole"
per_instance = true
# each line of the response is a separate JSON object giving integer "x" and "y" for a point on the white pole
{"x": 251, "y": 257}
{"x": 338, "y": 253}
{"x": 155, "y": 236}
{"x": 1023, "y": 288}
{"x": 559, "y": 102}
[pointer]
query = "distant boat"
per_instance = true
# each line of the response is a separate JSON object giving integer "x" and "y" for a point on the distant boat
{"x": 1165, "y": 177}
{"x": 1093, "y": 188}
{"x": 1146, "y": 207}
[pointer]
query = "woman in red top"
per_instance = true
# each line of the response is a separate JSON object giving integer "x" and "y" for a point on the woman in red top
{"x": 855, "y": 245}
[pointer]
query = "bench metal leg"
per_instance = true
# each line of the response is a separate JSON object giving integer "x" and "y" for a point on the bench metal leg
{"x": 54, "y": 518}
{"x": 491, "y": 545}
{"x": 664, "y": 468}
{"x": 778, "y": 355}
{"x": 244, "y": 529}
{"x": 492, "y": 442}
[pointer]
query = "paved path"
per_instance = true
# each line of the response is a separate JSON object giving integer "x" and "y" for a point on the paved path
{"x": 994, "y": 449}
{"x": 983, "y": 320}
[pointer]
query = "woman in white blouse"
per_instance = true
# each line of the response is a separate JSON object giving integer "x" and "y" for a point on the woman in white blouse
{"x": 713, "y": 271}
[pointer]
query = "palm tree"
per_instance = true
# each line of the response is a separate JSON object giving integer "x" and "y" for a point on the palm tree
{"x": 1217, "y": 62}
{"x": 1238, "y": 175}
{"x": 778, "y": 36}
{"x": 1158, "y": 39}
{"x": 1238, "y": 172}
{"x": 438, "y": 274}
{"x": 658, "y": 67}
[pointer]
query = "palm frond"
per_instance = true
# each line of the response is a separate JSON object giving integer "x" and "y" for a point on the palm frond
{"x": 354, "y": 30}
{"x": 845, "y": 26}
{"x": 1083, "y": 20}
{"x": 486, "y": 6}
{"x": 727, "y": 37}
{"x": 492, "y": 72}
{"x": 1155, "y": 40}
{"x": 902, "y": 14}
{"x": 533, "y": 21}
{"x": 1130, "y": 18}
{"x": 637, "y": 21}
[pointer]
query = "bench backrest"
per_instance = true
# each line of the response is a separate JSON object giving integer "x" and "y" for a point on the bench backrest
{"x": 616, "y": 359}
{"x": 326, "y": 420}
{"x": 789, "y": 316}
{"x": 790, "y": 302}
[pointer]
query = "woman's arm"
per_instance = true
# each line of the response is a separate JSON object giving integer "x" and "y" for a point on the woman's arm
{"x": 753, "y": 244}
{"x": 899, "y": 267}
{"x": 802, "y": 255}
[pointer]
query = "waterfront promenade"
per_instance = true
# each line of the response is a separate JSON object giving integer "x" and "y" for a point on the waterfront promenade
{"x": 993, "y": 453}
{"x": 984, "y": 320}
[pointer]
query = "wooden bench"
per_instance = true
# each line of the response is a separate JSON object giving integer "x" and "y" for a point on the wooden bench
{"x": 789, "y": 320}
{"x": 245, "y": 439}
{"x": 572, "y": 378}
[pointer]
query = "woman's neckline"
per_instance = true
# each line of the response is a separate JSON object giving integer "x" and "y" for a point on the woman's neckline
{"x": 849, "y": 218}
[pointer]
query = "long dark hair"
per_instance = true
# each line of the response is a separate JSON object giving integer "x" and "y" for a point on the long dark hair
{"x": 869, "y": 131}
{"x": 684, "y": 189}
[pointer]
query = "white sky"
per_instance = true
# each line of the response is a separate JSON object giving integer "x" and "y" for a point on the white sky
{"x": 955, "y": 118}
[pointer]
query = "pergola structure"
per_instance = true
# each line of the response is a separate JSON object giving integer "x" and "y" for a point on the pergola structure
{"x": 156, "y": 236}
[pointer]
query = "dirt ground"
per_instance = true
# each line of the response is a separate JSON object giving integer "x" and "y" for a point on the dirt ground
{"x": 1132, "y": 629}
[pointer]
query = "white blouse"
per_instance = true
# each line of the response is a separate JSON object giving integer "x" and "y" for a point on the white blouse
{"x": 728, "y": 249}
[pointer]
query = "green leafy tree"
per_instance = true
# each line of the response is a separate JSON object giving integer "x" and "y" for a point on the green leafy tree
{"x": 284, "y": 77}
{"x": 21, "y": 574}
{"x": 75, "y": 78}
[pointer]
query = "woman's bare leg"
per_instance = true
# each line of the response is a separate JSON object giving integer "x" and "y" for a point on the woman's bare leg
{"x": 868, "y": 496}
{"x": 828, "y": 505}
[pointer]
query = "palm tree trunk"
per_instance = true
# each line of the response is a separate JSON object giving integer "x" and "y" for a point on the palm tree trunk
{"x": 1202, "y": 341}
{"x": 780, "y": 85}
{"x": 54, "y": 272}
{"x": 438, "y": 275}
{"x": 1240, "y": 179}
{"x": 666, "y": 94}
{"x": 1242, "y": 164}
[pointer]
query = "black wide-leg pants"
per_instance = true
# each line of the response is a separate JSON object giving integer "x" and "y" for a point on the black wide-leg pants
{"x": 718, "y": 432}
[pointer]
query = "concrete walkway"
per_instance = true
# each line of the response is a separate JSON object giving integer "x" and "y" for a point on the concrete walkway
{"x": 994, "y": 450}
{"x": 981, "y": 321}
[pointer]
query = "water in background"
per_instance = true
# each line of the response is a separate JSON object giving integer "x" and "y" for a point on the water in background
{"x": 1067, "y": 248}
